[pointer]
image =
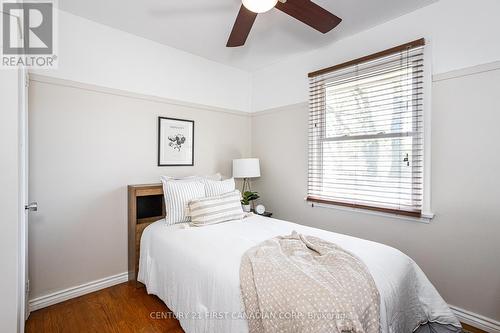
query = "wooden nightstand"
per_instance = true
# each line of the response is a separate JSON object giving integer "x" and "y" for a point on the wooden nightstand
{"x": 265, "y": 214}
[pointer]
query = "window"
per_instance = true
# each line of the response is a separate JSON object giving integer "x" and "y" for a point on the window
{"x": 366, "y": 132}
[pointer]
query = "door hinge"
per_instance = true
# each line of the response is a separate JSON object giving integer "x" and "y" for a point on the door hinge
{"x": 27, "y": 80}
{"x": 27, "y": 286}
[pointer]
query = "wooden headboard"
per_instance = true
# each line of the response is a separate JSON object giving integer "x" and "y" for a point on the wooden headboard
{"x": 146, "y": 205}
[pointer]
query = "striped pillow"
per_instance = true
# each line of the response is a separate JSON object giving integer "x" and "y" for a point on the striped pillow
{"x": 214, "y": 187}
{"x": 177, "y": 196}
{"x": 211, "y": 210}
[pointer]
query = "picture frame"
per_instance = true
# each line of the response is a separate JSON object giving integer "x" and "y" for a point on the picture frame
{"x": 175, "y": 142}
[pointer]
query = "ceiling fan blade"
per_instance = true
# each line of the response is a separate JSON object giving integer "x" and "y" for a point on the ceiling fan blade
{"x": 310, "y": 13}
{"x": 241, "y": 28}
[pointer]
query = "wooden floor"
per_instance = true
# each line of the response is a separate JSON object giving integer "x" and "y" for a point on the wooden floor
{"x": 468, "y": 328}
{"x": 119, "y": 309}
{"x": 123, "y": 308}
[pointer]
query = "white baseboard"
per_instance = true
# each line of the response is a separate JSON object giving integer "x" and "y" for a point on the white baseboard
{"x": 86, "y": 288}
{"x": 476, "y": 320}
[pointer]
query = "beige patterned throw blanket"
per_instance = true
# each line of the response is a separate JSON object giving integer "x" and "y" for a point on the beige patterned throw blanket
{"x": 300, "y": 283}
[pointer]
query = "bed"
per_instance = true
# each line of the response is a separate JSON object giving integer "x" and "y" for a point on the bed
{"x": 195, "y": 271}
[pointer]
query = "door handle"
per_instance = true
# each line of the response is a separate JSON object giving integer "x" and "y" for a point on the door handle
{"x": 32, "y": 206}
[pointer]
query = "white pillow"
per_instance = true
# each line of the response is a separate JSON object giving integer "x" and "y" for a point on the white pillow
{"x": 214, "y": 187}
{"x": 216, "y": 176}
{"x": 212, "y": 210}
{"x": 177, "y": 196}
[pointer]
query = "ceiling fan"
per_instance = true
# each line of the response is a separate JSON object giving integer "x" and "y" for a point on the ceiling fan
{"x": 305, "y": 11}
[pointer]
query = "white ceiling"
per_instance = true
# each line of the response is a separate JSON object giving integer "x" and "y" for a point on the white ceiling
{"x": 202, "y": 27}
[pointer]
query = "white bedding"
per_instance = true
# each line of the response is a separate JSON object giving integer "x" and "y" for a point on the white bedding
{"x": 195, "y": 271}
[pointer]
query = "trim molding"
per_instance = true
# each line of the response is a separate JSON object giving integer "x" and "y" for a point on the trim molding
{"x": 300, "y": 105}
{"x": 476, "y": 320}
{"x": 125, "y": 93}
{"x": 69, "y": 293}
{"x": 482, "y": 68}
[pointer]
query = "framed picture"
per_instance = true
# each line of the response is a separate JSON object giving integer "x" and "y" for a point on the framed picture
{"x": 175, "y": 142}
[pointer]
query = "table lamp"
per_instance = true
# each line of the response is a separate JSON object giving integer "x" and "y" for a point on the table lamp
{"x": 246, "y": 168}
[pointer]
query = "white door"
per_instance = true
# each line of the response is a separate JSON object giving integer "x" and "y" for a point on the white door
{"x": 24, "y": 206}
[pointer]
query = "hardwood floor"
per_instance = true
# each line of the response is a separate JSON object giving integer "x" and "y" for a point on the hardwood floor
{"x": 119, "y": 309}
{"x": 471, "y": 329}
{"x": 123, "y": 308}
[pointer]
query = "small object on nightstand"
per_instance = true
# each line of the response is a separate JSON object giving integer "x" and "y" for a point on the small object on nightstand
{"x": 261, "y": 210}
{"x": 266, "y": 214}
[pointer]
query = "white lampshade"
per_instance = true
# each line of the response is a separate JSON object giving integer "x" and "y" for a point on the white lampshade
{"x": 259, "y": 6}
{"x": 246, "y": 168}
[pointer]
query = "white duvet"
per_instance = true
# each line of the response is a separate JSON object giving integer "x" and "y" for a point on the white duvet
{"x": 195, "y": 271}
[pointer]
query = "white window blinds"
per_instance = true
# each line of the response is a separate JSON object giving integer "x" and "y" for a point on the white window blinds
{"x": 366, "y": 132}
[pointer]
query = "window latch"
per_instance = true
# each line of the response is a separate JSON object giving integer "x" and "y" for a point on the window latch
{"x": 407, "y": 160}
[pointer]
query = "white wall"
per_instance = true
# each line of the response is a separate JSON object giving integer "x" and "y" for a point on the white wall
{"x": 97, "y": 54}
{"x": 459, "y": 249}
{"x": 9, "y": 200}
{"x": 86, "y": 146}
{"x": 461, "y": 33}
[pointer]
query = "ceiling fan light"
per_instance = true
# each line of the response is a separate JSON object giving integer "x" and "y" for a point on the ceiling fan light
{"x": 259, "y": 6}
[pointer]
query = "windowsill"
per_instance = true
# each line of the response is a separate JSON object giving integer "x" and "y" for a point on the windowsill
{"x": 425, "y": 218}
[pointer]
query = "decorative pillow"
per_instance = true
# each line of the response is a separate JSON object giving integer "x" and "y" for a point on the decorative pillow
{"x": 212, "y": 210}
{"x": 214, "y": 187}
{"x": 177, "y": 196}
